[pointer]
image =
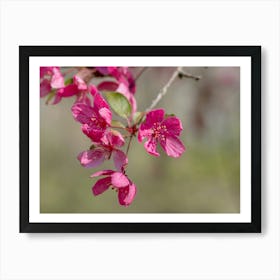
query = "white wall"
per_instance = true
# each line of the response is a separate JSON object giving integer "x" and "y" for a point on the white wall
{"x": 136, "y": 256}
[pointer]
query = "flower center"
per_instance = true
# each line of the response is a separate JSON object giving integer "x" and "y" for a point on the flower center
{"x": 95, "y": 122}
{"x": 93, "y": 119}
{"x": 159, "y": 131}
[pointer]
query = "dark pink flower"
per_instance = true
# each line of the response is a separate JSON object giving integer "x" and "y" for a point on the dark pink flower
{"x": 78, "y": 88}
{"x": 57, "y": 79}
{"x": 119, "y": 181}
{"x": 108, "y": 147}
{"x": 126, "y": 78}
{"x": 158, "y": 129}
{"x": 46, "y": 71}
{"x": 124, "y": 83}
{"x": 94, "y": 120}
{"x": 45, "y": 87}
{"x": 51, "y": 80}
{"x": 104, "y": 71}
{"x": 53, "y": 76}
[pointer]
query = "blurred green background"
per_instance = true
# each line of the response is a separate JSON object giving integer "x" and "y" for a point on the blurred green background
{"x": 205, "y": 179}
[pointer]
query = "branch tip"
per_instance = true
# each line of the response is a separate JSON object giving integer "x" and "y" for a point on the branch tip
{"x": 183, "y": 74}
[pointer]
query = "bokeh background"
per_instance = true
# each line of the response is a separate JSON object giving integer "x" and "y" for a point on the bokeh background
{"x": 205, "y": 179}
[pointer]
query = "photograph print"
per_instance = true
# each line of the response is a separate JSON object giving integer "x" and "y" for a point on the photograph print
{"x": 140, "y": 139}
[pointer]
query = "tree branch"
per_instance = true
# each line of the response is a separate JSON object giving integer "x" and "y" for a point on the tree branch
{"x": 184, "y": 74}
{"x": 180, "y": 73}
{"x": 163, "y": 91}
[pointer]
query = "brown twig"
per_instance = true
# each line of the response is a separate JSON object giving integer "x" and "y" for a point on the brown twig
{"x": 180, "y": 73}
{"x": 184, "y": 74}
{"x": 163, "y": 91}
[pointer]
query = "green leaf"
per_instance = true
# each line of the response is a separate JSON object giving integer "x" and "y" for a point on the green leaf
{"x": 117, "y": 124}
{"x": 50, "y": 96}
{"x": 119, "y": 104}
{"x": 138, "y": 117}
{"x": 169, "y": 115}
{"x": 68, "y": 82}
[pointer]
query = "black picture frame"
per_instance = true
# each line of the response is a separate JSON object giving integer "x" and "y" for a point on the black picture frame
{"x": 254, "y": 52}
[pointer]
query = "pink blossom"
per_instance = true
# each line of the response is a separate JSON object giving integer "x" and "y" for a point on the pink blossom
{"x": 123, "y": 76}
{"x": 108, "y": 147}
{"x": 78, "y": 88}
{"x": 164, "y": 131}
{"x": 105, "y": 71}
{"x": 94, "y": 120}
{"x": 119, "y": 181}
{"x": 46, "y": 71}
{"x": 45, "y": 88}
{"x": 51, "y": 79}
{"x": 57, "y": 79}
{"x": 124, "y": 83}
{"x": 53, "y": 76}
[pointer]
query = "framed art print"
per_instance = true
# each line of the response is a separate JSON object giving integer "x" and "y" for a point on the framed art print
{"x": 140, "y": 138}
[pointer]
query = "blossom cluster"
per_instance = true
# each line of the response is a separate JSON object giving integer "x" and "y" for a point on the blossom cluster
{"x": 108, "y": 137}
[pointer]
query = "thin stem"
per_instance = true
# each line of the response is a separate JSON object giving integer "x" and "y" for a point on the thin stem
{"x": 163, "y": 91}
{"x": 140, "y": 73}
{"x": 119, "y": 127}
{"x": 128, "y": 145}
{"x": 126, "y": 135}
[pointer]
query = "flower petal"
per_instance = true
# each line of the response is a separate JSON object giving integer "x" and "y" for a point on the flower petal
{"x": 92, "y": 158}
{"x": 127, "y": 78}
{"x": 92, "y": 89}
{"x": 102, "y": 172}
{"x": 102, "y": 70}
{"x": 154, "y": 116}
{"x": 101, "y": 185}
{"x": 109, "y": 86}
{"x": 106, "y": 114}
{"x": 120, "y": 159}
{"x": 45, "y": 88}
{"x": 57, "y": 80}
{"x": 68, "y": 91}
{"x": 115, "y": 138}
{"x": 131, "y": 82}
{"x": 99, "y": 102}
{"x": 95, "y": 134}
{"x": 82, "y": 97}
{"x": 143, "y": 133}
{"x": 56, "y": 99}
{"x": 45, "y": 71}
{"x": 124, "y": 89}
{"x": 82, "y": 113}
{"x": 126, "y": 195}
{"x": 133, "y": 103}
{"x": 172, "y": 146}
{"x": 145, "y": 129}
{"x": 173, "y": 125}
{"x": 119, "y": 180}
{"x": 80, "y": 83}
{"x": 151, "y": 147}
{"x": 113, "y": 71}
